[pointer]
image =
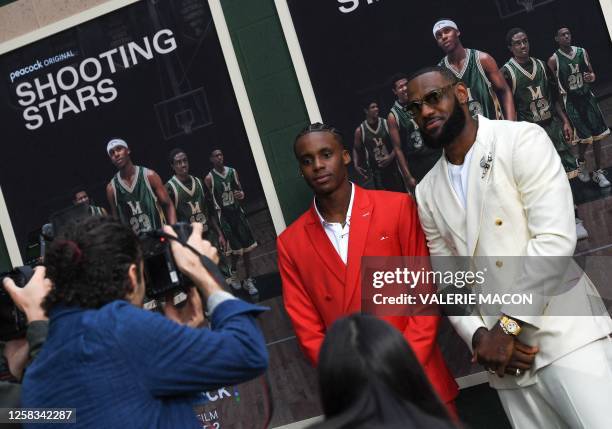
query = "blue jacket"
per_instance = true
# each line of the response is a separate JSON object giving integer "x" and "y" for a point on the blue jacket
{"x": 124, "y": 367}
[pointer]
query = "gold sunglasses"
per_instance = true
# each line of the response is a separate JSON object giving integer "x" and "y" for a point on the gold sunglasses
{"x": 432, "y": 99}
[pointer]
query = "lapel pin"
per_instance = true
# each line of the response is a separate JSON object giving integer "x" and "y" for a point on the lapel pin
{"x": 485, "y": 164}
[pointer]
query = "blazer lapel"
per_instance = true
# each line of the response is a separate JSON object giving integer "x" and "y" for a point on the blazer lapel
{"x": 447, "y": 200}
{"x": 324, "y": 248}
{"x": 483, "y": 161}
{"x": 361, "y": 216}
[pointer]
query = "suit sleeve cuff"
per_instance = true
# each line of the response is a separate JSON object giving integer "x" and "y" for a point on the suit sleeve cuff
{"x": 217, "y": 298}
{"x": 36, "y": 336}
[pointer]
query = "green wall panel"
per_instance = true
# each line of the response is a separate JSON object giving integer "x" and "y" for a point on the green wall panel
{"x": 261, "y": 47}
{"x": 274, "y": 93}
{"x": 274, "y": 101}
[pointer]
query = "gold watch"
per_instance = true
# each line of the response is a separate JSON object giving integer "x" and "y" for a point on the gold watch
{"x": 510, "y": 326}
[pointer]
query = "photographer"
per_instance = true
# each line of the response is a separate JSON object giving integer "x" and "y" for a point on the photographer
{"x": 119, "y": 365}
{"x": 18, "y": 352}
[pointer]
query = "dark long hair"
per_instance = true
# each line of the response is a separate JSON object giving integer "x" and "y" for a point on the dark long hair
{"x": 89, "y": 263}
{"x": 367, "y": 367}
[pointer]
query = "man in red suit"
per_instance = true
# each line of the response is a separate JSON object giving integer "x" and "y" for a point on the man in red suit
{"x": 320, "y": 265}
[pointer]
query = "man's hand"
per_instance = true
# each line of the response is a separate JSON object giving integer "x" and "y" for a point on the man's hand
{"x": 589, "y": 77}
{"x": 410, "y": 182}
{"x": 493, "y": 349}
{"x": 239, "y": 195}
{"x": 522, "y": 357}
{"x": 383, "y": 162}
{"x": 190, "y": 314}
{"x": 222, "y": 242}
{"x": 568, "y": 132}
{"x": 29, "y": 298}
{"x": 189, "y": 263}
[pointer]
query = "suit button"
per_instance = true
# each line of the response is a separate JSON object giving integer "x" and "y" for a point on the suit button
{"x": 499, "y": 264}
{"x": 498, "y": 222}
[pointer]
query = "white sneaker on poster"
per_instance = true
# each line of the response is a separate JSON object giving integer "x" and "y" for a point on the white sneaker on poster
{"x": 581, "y": 232}
{"x": 249, "y": 286}
{"x": 234, "y": 282}
{"x": 583, "y": 174}
{"x": 600, "y": 178}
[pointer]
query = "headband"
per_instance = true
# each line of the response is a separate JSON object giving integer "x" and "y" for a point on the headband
{"x": 115, "y": 143}
{"x": 444, "y": 23}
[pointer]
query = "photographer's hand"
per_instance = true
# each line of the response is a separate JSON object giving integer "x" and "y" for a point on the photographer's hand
{"x": 16, "y": 353}
{"x": 30, "y": 297}
{"x": 190, "y": 264}
{"x": 191, "y": 314}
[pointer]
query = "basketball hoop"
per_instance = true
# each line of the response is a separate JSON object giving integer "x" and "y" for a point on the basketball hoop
{"x": 527, "y": 4}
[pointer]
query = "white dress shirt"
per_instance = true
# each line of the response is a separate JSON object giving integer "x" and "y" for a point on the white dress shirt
{"x": 337, "y": 233}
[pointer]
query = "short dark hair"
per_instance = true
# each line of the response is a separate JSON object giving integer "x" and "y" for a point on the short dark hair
{"x": 89, "y": 262}
{"x": 366, "y": 102}
{"x": 77, "y": 190}
{"x": 396, "y": 78}
{"x": 446, "y": 73}
{"x": 561, "y": 27}
{"x": 174, "y": 152}
{"x": 513, "y": 32}
{"x": 319, "y": 127}
{"x": 361, "y": 353}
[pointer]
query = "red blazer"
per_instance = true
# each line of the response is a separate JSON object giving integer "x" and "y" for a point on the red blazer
{"x": 319, "y": 288}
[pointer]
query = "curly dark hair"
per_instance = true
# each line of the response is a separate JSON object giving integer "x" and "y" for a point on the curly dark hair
{"x": 88, "y": 263}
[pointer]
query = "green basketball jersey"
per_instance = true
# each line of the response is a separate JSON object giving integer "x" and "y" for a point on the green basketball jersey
{"x": 481, "y": 97}
{"x": 377, "y": 141}
{"x": 410, "y": 136}
{"x": 531, "y": 89}
{"x": 137, "y": 204}
{"x": 189, "y": 200}
{"x": 223, "y": 186}
{"x": 570, "y": 69}
{"x": 96, "y": 211}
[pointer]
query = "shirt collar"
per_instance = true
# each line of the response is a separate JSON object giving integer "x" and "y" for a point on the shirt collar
{"x": 466, "y": 158}
{"x": 348, "y": 212}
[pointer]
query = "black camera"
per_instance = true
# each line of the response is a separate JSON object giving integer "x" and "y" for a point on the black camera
{"x": 161, "y": 273}
{"x": 13, "y": 322}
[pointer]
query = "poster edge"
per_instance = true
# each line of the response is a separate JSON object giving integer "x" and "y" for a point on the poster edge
{"x": 606, "y": 8}
{"x": 246, "y": 112}
{"x": 298, "y": 62}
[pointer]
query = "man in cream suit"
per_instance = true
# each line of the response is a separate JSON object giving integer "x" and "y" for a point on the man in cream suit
{"x": 498, "y": 193}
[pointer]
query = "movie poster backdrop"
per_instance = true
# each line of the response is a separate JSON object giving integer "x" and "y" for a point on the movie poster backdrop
{"x": 151, "y": 73}
{"x": 352, "y": 47}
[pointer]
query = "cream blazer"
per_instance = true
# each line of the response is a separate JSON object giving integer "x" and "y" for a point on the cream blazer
{"x": 519, "y": 203}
